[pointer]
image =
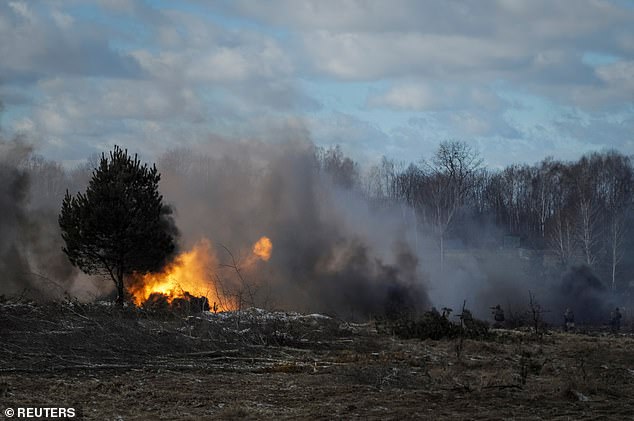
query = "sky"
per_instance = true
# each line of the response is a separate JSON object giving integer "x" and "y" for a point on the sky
{"x": 517, "y": 80}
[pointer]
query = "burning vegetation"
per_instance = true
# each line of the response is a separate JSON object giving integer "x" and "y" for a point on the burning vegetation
{"x": 192, "y": 278}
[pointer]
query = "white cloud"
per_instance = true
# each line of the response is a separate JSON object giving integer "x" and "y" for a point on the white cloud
{"x": 145, "y": 74}
{"x": 24, "y": 125}
{"x": 41, "y": 42}
{"x": 619, "y": 74}
{"x": 22, "y": 9}
{"x": 486, "y": 17}
{"x": 51, "y": 121}
{"x": 122, "y": 6}
{"x": 470, "y": 124}
{"x": 425, "y": 96}
{"x": 538, "y": 45}
{"x": 224, "y": 64}
{"x": 407, "y": 97}
{"x": 230, "y": 57}
{"x": 367, "y": 56}
{"x": 63, "y": 20}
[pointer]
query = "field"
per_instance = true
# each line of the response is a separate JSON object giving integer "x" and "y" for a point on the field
{"x": 133, "y": 364}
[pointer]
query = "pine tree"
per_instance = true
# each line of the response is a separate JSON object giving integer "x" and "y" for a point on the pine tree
{"x": 120, "y": 224}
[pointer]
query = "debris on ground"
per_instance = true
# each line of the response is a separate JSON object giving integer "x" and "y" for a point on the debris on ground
{"x": 131, "y": 363}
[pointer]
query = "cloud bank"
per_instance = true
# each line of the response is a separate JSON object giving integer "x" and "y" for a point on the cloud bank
{"x": 507, "y": 76}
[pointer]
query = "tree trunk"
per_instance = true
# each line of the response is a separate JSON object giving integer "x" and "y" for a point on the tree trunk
{"x": 415, "y": 228}
{"x": 614, "y": 251}
{"x": 614, "y": 273}
{"x": 616, "y": 233}
{"x": 442, "y": 252}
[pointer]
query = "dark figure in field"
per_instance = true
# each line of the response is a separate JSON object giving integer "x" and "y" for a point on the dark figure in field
{"x": 615, "y": 320}
{"x": 569, "y": 320}
{"x": 498, "y": 316}
{"x": 466, "y": 317}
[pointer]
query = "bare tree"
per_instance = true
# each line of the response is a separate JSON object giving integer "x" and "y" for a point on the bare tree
{"x": 615, "y": 186}
{"x": 381, "y": 185}
{"x": 562, "y": 240}
{"x": 561, "y": 226}
{"x": 448, "y": 180}
{"x": 343, "y": 170}
{"x": 543, "y": 192}
{"x": 584, "y": 176}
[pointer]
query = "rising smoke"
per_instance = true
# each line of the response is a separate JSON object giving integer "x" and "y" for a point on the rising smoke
{"x": 29, "y": 261}
{"x": 335, "y": 250}
{"x": 14, "y": 184}
{"x": 32, "y": 263}
{"x": 332, "y": 252}
{"x": 582, "y": 292}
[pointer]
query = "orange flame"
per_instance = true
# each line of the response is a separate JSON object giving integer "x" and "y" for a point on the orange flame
{"x": 189, "y": 272}
{"x": 263, "y": 248}
{"x": 193, "y": 272}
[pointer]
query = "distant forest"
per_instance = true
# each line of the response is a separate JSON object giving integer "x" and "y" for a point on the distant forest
{"x": 578, "y": 213}
{"x": 574, "y": 213}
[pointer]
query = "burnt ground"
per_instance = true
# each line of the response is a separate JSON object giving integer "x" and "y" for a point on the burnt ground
{"x": 133, "y": 365}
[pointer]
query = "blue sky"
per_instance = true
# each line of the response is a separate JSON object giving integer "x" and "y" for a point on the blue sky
{"x": 519, "y": 80}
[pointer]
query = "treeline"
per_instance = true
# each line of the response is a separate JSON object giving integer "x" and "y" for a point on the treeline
{"x": 576, "y": 212}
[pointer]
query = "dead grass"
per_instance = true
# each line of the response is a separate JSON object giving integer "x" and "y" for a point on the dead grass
{"x": 133, "y": 365}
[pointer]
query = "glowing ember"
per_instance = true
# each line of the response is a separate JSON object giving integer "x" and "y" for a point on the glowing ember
{"x": 263, "y": 248}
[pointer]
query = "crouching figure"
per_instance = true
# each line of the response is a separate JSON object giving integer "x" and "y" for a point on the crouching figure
{"x": 498, "y": 316}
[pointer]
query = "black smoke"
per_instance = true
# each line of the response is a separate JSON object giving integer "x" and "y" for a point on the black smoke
{"x": 14, "y": 185}
{"x": 31, "y": 261}
{"x": 332, "y": 251}
{"x": 584, "y": 293}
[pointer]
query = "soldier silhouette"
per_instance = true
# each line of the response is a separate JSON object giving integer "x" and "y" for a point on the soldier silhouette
{"x": 498, "y": 316}
{"x": 615, "y": 320}
{"x": 569, "y": 320}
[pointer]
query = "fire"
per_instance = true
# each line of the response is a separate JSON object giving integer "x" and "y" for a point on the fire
{"x": 192, "y": 273}
{"x": 263, "y": 248}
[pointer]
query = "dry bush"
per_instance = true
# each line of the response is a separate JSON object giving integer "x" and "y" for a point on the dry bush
{"x": 432, "y": 325}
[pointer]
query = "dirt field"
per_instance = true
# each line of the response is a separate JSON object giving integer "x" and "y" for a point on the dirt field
{"x": 131, "y": 365}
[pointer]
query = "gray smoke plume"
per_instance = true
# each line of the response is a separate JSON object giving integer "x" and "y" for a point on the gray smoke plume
{"x": 508, "y": 277}
{"x": 335, "y": 250}
{"x": 582, "y": 292}
{"x": 332, "y": 252}
{"x": 14, "y": 184}
{"x": 31, "y": 260}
